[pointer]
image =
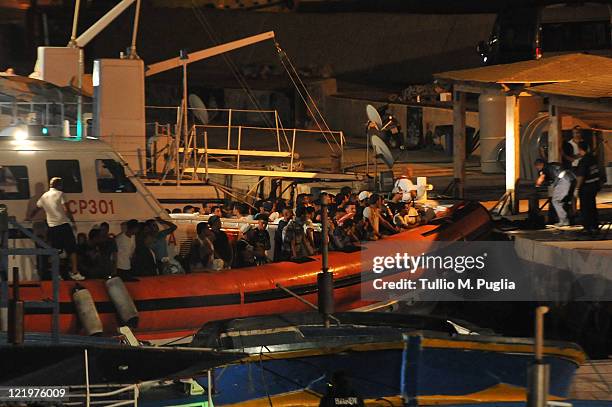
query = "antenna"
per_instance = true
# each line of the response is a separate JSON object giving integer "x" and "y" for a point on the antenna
{"x": 382, "y": 151}
{"x": 199, "y": 107}
{"x": 374, "y": 116}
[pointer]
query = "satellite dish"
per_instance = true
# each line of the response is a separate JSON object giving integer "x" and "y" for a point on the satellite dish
{"x": 382, "y": 151}
{"x": 374, "y": 116}
{"x": 201, "y": 113}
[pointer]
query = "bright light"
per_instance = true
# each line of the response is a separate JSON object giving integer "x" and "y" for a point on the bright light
{"x": 20, "y": 134}
{"x": 45, "y": 131}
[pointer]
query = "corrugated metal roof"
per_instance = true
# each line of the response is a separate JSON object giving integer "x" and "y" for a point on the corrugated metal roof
{"x": 562, "y": 68}
{"x": 594, "y": 87}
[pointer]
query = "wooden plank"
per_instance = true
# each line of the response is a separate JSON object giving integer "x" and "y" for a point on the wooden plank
{"x": 252, "y": 153}
{"x": 277, "y": 173}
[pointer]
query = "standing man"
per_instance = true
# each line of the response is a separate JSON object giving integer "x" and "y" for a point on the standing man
{"x": 587, "y": 186}
{"x": 570, "y": 154}
{"x": 59, "y": 219}
{"x": 562, "y": 181}
{"x": 126, "y": 245}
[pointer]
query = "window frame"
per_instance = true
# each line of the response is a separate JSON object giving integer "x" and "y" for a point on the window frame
{"x": 133, "y": 190}
{"x": 67, "y": 189}
{"x": 20, "y": 182}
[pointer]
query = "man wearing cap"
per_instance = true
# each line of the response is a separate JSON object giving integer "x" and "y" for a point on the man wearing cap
{"x": 562, "y": 181}
{"x": 59, "y": 219}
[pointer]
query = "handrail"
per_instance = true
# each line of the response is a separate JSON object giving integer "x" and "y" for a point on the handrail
{"x": 221, "y": 126}
{"x": 44, "y": 249}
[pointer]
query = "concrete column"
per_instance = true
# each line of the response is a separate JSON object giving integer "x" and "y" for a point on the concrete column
{"x": 513, "y": 143}
{"x": 554, "y": 134}
{"x": 459, "y": 142}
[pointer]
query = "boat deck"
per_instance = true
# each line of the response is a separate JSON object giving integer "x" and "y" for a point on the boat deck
{"x": 593, "y": 381}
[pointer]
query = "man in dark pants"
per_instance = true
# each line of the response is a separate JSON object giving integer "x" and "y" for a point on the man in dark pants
{"x": 587, "y": 186}
{"x": 60, "y": 221}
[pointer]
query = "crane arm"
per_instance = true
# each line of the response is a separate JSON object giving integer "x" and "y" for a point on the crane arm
{"x": 83, "y": 39}
{"x": 207, "y": 53}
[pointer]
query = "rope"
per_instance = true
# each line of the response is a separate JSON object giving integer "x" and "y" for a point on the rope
{"x": 284, "y": 55}
{"x": 230, "y": 63}
{"x": 308, "y": 100}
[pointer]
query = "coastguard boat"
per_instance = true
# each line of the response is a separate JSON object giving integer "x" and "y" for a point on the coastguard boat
{"x": 387, "y": 359}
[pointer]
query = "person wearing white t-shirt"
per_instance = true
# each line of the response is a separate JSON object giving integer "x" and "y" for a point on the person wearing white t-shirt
{"x": 126, "y": 245}
{"x": 59, "y": 219}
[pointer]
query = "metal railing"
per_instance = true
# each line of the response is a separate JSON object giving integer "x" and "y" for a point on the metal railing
{"x": 183, "y": 150}
{"x": 51, "y": 115}
{"x": 42, "y": 249}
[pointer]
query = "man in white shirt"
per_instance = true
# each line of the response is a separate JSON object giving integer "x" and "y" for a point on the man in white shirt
{"x": 126, "y": 245}
{"x": 569, "y": 152}
{"x": 59, "y": 220}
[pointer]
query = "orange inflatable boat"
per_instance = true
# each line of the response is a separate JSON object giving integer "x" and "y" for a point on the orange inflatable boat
{"x": 175, "y": 305}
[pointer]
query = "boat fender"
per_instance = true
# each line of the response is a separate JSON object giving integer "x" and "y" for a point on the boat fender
{"x": 122, "y": 300}
{"x": 86, "y": 311}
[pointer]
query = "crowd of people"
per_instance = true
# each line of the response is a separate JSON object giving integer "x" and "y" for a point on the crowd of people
{"x": 149, "y": 248}
{"x": 351, "y": 218}
{"x": 577, "y": 176}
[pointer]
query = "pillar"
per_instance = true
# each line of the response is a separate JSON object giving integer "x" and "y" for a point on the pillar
{"x": 554, "y": 134}
{"x": 513, "y": 150}
{"x": 459, "y": 142}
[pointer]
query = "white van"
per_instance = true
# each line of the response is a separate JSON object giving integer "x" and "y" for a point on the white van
{"x": 524, "y": 33}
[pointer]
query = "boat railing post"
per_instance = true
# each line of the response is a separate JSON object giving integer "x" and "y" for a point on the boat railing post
{"x": 229, "y": 128}
{"x": 539, "y": 372}
{"x": 4, "y": 270}
{"x": 341, "y": 151}
{"x": 55, "y": 275}
{"x": 206, "y": 156}
{"x": 239, "y": 142}
{"x": 209, "y": 387}
{"x": 15, "y": 327}
{"x": 277, "y": 131}
{"x": 292, "y": 150}
{"x": 87, "y": 390}
{"x": 325, "y": 277}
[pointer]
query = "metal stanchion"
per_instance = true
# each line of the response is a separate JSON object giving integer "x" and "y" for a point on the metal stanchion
{"x": 325, "y": 279}
{"x": 539, "y": 372}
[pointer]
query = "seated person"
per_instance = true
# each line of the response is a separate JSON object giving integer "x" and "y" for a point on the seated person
{"x": 295, "y": 241}
{"x": 407, "y": 217}
{"x": 364, "y": 230}
{"x": 245, "y": 254}
{"x": 241, "y": 212}
{"x": 259, "y": 238}
{"x": 98, "y": 258}
{"x": 279, "y": 255}
{"x": 344, "y": 236}
{"x": 351, "y": 211}
{"x": 143, "y": 261}
{"x": 221, "y": 244}
{"x": 202, "y": 250}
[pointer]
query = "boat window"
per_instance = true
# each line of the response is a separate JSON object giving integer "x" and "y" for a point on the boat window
{"x": 69, "y": 171}
{"x": 111, "y": 177}
{"x": 14, "y": 182}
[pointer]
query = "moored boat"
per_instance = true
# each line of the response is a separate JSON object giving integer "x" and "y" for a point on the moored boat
{"x": 388, "y": 359}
